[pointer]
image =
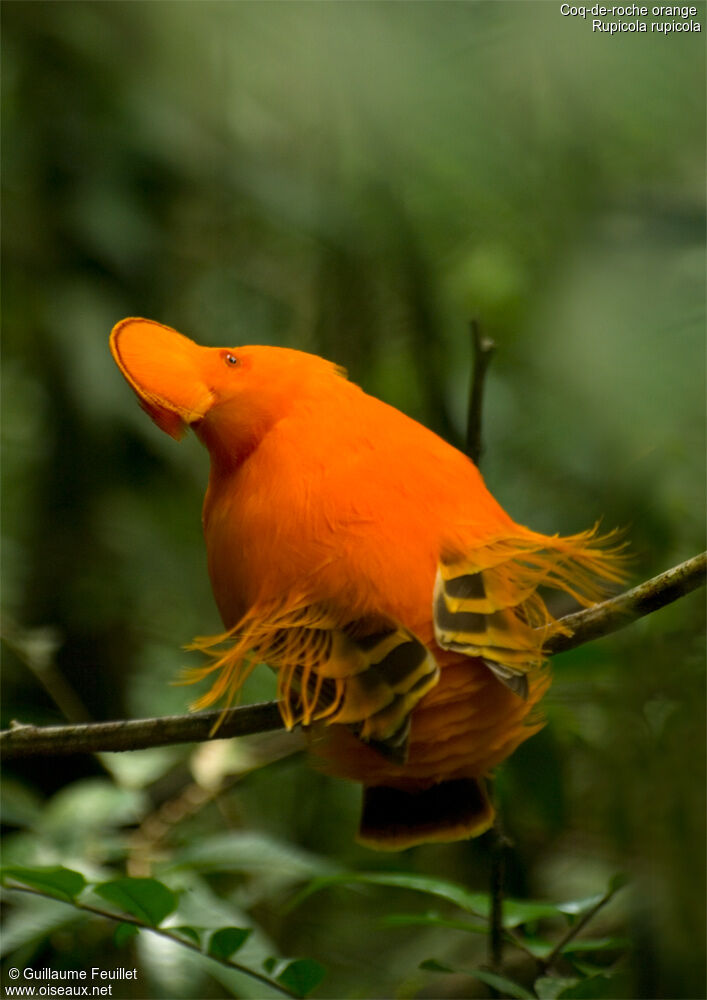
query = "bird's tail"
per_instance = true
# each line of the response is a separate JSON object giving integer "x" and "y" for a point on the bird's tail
{"x": 394, "y": 818}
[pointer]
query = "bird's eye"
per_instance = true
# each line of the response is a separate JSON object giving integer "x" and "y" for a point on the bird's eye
{"x": 231, "y": 359}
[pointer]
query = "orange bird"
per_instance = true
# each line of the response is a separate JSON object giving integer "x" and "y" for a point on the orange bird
{"x": 363, "y": 558}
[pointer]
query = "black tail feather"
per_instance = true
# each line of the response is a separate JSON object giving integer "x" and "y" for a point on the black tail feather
{"x": 394, "y": 818}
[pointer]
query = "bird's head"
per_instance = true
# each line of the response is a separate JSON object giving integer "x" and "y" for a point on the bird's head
{"x": 230, "y": 396}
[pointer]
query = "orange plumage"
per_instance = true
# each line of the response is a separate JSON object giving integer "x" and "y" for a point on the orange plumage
{"x": 364, "y": 559}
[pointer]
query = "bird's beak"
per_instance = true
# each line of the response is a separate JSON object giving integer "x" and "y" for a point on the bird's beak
{"x": 164, "y": 369}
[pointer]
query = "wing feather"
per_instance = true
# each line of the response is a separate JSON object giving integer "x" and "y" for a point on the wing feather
{"x": 366, "y": 675}
{"x": 486, "y": 602}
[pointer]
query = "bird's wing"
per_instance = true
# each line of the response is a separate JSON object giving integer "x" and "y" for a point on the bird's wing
{"x": 368, "y": 675}
{"x": 486, "y": 602}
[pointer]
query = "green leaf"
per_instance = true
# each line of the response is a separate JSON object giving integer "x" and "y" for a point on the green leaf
{"x": 431, "y": 920}
{"x": 269, "y": 964}
{"x": 476, "y": 903}
{"x": 597, "y": 944}
{"x": 144, "y": 898}
{"x": 302, "y": 976}
{"x": 56, "y": 881}
{"x": 188, "y": 932}
{"x": 227, "y": 940}
{"x": 574, "y": 907}
{"x": 507, "y": 986}
{"x": 593, "y": 988}
{"x": 537, "y": 946}
{"x": 432, "y": 965}
{"x": 256, "y": 854}
{"x": 124, "y": 933}
{"x": 34, "y": 919}
{"x": 551, "y": 987}
{"x": 138, "y": 770}
{"x": 584, "y": 969}
{"x": 515, "y": 911}
{"x": 520, "y": 911}
{"x": 91, "y": 805}
{"x": 618, "y": 881}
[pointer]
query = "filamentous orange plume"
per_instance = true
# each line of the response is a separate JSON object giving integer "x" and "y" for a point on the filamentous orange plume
{"x": 363, "y": 558}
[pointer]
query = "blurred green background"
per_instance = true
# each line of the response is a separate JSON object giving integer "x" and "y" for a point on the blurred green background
{"x": 357, "y": 180}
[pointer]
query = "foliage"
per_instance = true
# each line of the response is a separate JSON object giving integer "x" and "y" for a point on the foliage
{"x": 145, "y": 903}
{"x": 357, "y": 180}
{"x": 148, "y": 902}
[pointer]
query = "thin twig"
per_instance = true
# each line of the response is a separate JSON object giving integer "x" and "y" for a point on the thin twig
{"x": 547, "y": 963}
{"x": 482, "y": 348}
{"x": 125, "y": 918}
{"x": 139, "y": 734}
{"x": 482, "y": 351}
{"x": 36, "y": 648}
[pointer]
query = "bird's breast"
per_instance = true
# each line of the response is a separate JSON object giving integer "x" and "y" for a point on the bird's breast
{"x": 273, "y": 540}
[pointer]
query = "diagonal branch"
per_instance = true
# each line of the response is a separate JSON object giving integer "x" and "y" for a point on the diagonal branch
{"x": 171, "y": 934}
{"x": 617, "y": 612}
{"x": 547, "y": 963}
{"x": 138, "y": 734}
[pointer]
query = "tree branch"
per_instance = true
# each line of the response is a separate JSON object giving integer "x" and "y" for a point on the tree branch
{"x": 609, "y": 616}
{"x": 138, "y": 734}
